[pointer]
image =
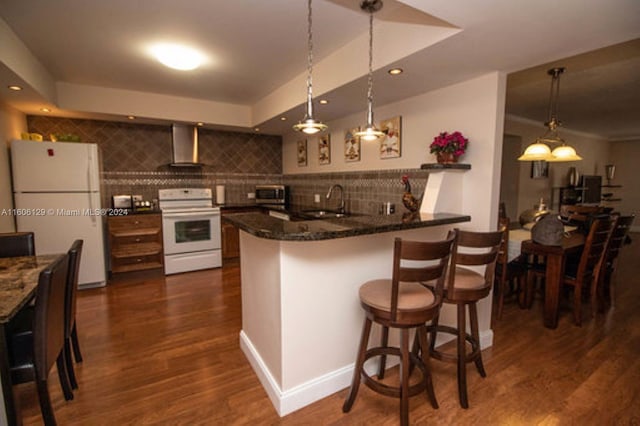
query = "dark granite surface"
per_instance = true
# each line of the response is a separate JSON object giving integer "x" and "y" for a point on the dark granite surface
{"x": 265, "y": 226}
{"x": 18, "y": 281}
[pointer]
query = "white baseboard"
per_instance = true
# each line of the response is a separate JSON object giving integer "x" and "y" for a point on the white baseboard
{"x": 288, "y": 401}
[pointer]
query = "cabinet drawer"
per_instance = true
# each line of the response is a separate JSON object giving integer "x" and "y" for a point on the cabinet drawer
{"x": 149, "y": 237}
{"x": 136, "y": 263}
{"x": 135, "y": 260}
{"x": 118, "y": 223}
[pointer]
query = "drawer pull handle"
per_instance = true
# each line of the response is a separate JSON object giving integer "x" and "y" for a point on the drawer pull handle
{"x": 137, "y": 240}
{"x": 138, "y": 260}
{"x": 137, "y": 222}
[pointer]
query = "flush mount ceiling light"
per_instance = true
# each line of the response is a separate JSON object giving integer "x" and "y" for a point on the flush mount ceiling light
{"x": 395, "y": 71}
{"x": 177, "y": 57}
{"x": 45, "y": 109}
{"x": 323, "y": 101}
{"x": 370, "y": 132}
{"x": 14, "y": 88}
{"x": 308, "y": 124}
{"x": 540, "y": 150}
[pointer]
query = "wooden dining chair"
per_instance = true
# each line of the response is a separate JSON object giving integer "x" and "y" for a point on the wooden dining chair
{"x": 71, "y": 332}
{"x": 465, "y": 287}
{"x": 15, "y": 244}
{"x": 580, "y": 273}
{"x": 508, "y": 275}
{"x": 604, "y": 287}
{"x": 403, "y": 302}
{"x": 32, "y": 353}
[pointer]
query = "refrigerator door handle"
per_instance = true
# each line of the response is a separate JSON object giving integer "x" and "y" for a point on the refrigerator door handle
{"x": 94, "y": 220}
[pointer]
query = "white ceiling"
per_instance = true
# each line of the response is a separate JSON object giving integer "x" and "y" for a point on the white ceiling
{"x": 257, "y": 50}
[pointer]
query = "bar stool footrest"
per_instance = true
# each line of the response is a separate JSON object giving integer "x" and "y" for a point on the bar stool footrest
{"x": 388, "y": 390}
{"x": 447, "y": 357}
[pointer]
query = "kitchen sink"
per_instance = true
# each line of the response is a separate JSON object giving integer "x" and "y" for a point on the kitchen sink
{"x": 322, "y": 214}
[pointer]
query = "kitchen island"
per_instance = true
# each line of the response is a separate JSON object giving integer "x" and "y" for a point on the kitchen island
{"x": 301, "y": 316}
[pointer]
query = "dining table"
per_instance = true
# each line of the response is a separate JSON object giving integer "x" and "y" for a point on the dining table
{"x": 18, "y": 283}
{"x": 555, "y": 257}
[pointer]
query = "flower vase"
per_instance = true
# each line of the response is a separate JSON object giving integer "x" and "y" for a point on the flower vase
{"x": 446, "y": 158}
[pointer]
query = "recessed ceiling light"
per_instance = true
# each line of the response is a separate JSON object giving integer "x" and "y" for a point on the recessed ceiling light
{"x": 14, "y": 87}
{"x": 283, "y": 118}
{"x": 131, "y": 117}
{"x": 177, "y": 57}
{"x": 324, "y": 101}
{"x": 395, "y": 71}
{"x": 45, "y": 110}
{"x": 257, "y": 129}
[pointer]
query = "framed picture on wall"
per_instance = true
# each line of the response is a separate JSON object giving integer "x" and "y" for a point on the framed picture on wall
{"x": 351, "y": 145}
{"x": 302, "y": 153}
{"x": 539, "y": 169}
{"x": 391, "y": 143}
{"x": 324, "y": 149}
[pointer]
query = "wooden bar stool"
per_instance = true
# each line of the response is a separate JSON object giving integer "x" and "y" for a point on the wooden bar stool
{"x": 465, "y": 287}
{"x": 403, "y": 302}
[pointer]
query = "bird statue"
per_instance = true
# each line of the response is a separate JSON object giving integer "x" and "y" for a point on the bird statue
{"x": 410, "y": 202}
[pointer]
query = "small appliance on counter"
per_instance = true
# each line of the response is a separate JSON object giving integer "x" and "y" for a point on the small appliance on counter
{"x": 122, "y": 202}
{"x": 141, "y": 205}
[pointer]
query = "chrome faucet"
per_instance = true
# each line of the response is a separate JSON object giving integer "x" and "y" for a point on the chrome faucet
{"x": 338, "y": 186}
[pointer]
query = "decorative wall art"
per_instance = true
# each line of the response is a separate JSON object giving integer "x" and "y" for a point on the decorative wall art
{"x": 351, "y": 145}
{"x": 302, "y": 153}
{"x": 391, "y": 143}
{"x": 324, "y": 149}
{"x": 539, "y": 169}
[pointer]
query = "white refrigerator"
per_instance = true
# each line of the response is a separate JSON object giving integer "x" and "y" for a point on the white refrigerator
{"x": 56, "y": 188}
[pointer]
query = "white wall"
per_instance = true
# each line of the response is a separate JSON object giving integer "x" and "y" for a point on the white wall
{"x": 12, "y": 123}
{"x": 593, "y": 149}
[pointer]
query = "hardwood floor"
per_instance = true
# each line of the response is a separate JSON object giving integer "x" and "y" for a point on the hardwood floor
{"x": 166, "y": 351}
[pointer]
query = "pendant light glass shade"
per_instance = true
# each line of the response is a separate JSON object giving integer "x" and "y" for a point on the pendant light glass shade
{"x": 535, "y": 152}
{"x": 540, "y": 150}
{"x": 370, "y": 132}
{"x": 564, "y": 153}
{"x": 309, "y": 125}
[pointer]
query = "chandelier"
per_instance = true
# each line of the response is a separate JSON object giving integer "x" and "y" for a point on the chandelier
{"x": 540, "y": 150}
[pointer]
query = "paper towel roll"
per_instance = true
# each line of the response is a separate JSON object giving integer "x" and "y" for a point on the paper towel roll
{"x": 219, "y": 194}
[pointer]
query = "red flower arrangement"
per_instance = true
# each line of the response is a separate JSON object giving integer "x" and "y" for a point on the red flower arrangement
{"x": 452, "y": 143}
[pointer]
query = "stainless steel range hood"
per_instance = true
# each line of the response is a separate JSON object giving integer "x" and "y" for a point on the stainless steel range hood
{"x": 184, "y": 146}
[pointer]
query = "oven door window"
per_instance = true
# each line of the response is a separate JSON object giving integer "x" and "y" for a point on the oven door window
{"x": 188, "y": 231}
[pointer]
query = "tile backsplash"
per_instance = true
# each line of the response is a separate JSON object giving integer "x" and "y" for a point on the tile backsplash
{"x": 135, "y": 157}
{"x": 135, "y": 160}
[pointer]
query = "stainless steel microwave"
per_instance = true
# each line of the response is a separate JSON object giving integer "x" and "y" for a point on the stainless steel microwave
{"x": 272, "y": 194}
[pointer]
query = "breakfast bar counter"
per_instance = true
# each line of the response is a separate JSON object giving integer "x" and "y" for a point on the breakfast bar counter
{"x": 301, "y": 316}
{"x": 265, "y": 226}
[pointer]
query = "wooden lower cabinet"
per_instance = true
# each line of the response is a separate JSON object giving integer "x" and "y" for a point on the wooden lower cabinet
{"x": 230, "y": 240}
{"x": 136, "y": 242}
{"x": 230, "y": 233}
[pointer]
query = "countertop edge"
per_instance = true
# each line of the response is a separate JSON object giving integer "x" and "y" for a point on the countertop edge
{"x": 356, "y": 230}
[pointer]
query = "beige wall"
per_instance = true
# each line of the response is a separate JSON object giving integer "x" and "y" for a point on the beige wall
{"x": 625, "y": 156}
{"x": 12, "y": 123}
{"x": 593, "y": 149}
{"x": 474, "y": 107}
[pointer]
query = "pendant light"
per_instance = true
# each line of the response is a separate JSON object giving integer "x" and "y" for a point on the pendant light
{"x": 370, "y": 132}
{"x": 309, "y": 125}
{"x": 540, "y": 150}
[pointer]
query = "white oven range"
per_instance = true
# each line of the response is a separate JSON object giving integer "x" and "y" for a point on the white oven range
{"x": 191, "y": 230}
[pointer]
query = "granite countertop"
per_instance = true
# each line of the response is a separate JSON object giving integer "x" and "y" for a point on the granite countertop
{"x": 18, "y": 281}
{"x": 269, "y": 227}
